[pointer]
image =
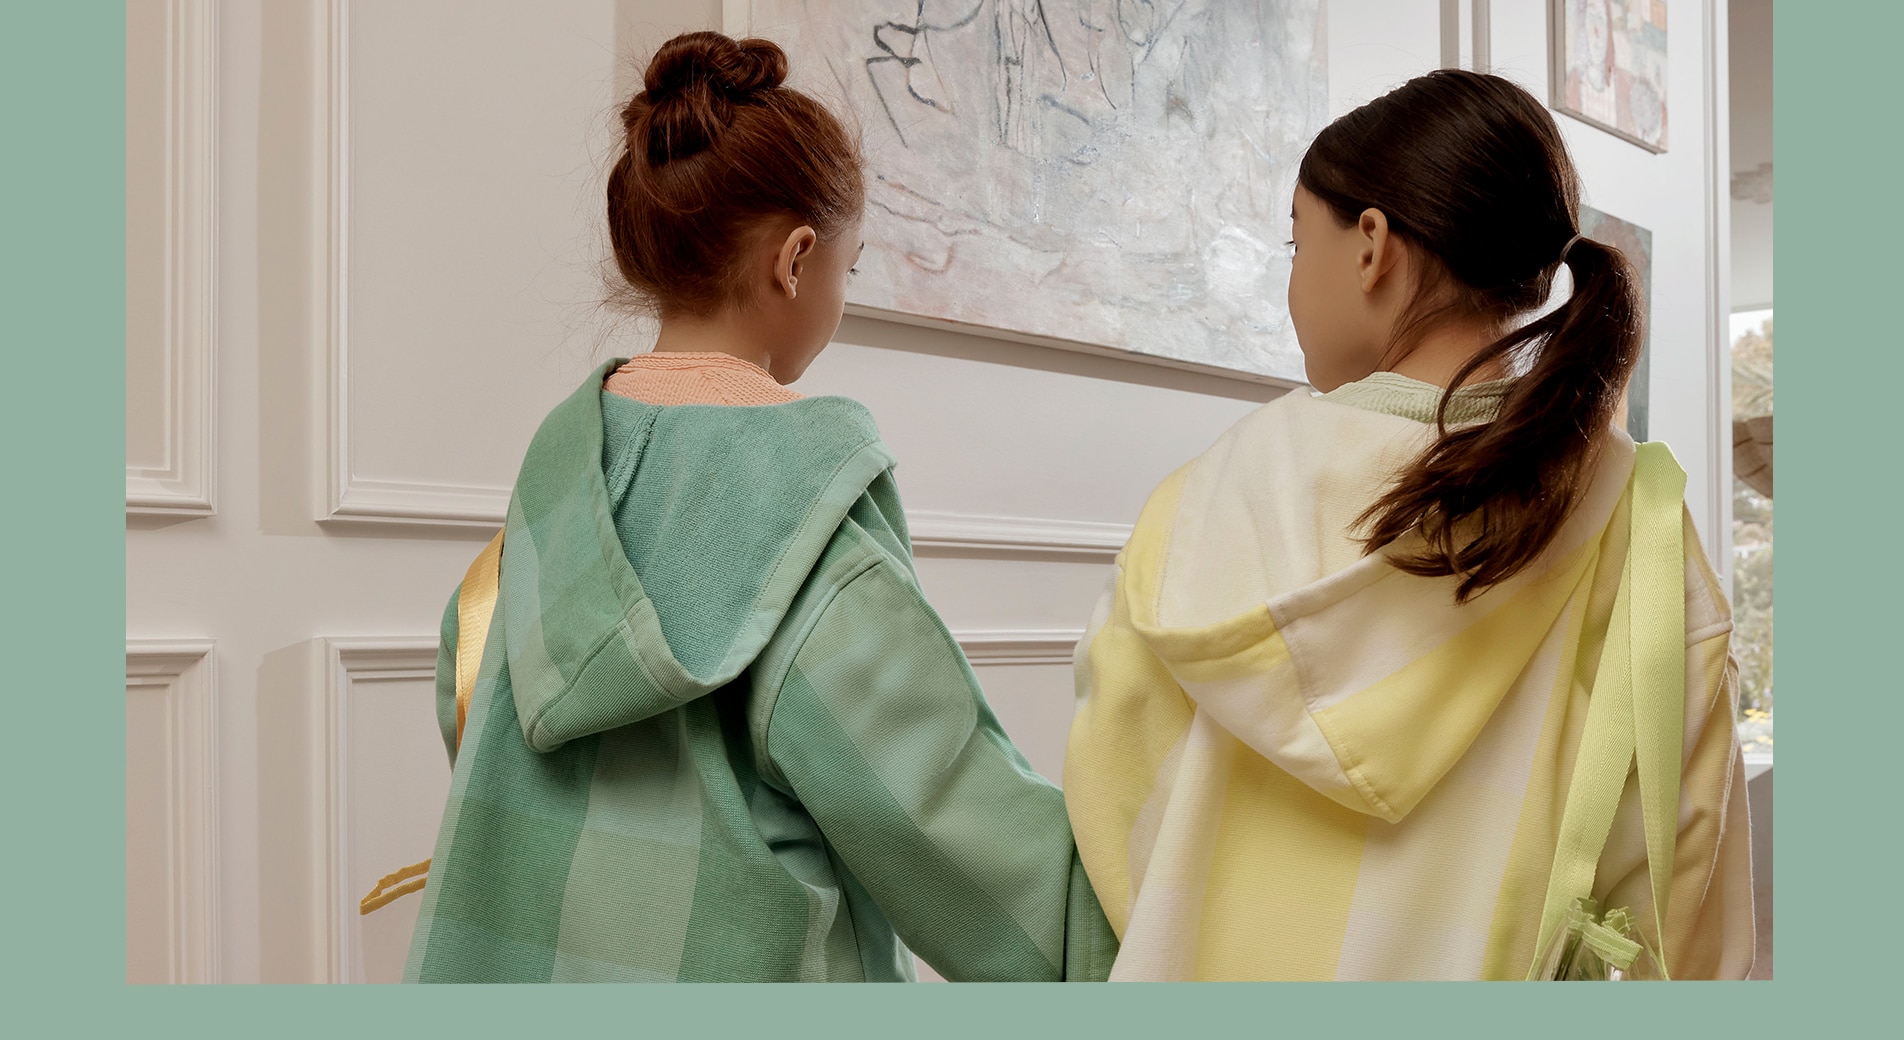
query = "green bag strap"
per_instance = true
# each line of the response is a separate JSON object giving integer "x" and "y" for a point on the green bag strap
{"x": 1637, "y": 707}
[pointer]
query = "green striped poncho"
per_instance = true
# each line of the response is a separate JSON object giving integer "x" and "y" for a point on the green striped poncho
{"x": 718, "y": 735}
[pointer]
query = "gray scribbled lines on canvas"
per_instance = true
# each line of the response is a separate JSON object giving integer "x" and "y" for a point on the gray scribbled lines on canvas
{"x": 1109, "y": 172}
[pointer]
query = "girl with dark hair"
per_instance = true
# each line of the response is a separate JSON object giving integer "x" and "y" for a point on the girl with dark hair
{"x": 703, "y": 725}
{"x": 1333, "y": 706}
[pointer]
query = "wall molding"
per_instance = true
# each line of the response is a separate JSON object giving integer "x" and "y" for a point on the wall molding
{"x": 932, "y": 531}
{"x": 1477, "y": 45}
{"x": 186, "y": 484}
{"x": 348, "y": 497}
{"x": 1718, "y": 150}
{"x": 1047, "y": 646}
{"x": 937, "y": 530}
{"x": 347, "y": 663}
{"x": 182, "y": 672}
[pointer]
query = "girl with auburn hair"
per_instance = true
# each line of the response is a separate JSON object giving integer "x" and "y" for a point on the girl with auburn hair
{"x": 1334, "y": 706}
{"x": 711, "y": 729}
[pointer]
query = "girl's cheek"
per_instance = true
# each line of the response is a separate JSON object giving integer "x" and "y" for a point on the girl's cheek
{"x": 1298, "y": 298}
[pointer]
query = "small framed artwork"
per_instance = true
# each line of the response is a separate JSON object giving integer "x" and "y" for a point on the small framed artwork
{"x": 1608, "y": 62}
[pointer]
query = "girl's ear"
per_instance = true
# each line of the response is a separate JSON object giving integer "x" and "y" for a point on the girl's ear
{"x": 788, "y": 261}
{"x": 1378, "y": 252}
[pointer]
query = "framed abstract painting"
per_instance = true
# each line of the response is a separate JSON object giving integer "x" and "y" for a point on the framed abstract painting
{"x": 1097, "y": 175}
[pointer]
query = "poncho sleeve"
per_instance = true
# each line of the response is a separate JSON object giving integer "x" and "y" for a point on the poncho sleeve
{"x": 446, "y": 676}
{"x": 881, "y": 730}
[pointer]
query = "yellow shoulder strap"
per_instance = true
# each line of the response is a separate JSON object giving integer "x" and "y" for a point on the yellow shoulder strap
{"x": 475, "y": 605}
{"x": 1635, "y": 711}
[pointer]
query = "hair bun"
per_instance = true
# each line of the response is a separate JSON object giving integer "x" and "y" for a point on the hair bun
{"x": 690, "y": 88}
{"x": 734, "y": 68}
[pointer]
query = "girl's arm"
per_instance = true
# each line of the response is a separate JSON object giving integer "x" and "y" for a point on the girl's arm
{"x": 446, "y": 677}
{"x": 881, "y": 730}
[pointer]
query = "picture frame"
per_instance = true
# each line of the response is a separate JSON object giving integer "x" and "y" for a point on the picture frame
{"x": 1607, "y": 67}
{"x": 1010, "y": 198}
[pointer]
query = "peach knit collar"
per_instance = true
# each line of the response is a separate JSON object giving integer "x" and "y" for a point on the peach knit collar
{"x": 698, "y": 377}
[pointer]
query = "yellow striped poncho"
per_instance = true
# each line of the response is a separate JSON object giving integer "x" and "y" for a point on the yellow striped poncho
{"x": 1293, "y": 761}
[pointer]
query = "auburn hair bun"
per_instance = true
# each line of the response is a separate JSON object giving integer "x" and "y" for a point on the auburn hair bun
{"x": 691, "y": 87}
{"x": 733, "y": 67}
{"x": 717, "y": 146}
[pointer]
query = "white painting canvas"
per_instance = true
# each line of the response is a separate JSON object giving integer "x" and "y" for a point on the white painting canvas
{"x": 1106, "y": 174}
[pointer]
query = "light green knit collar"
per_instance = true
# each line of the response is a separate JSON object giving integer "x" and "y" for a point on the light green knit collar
{"x": 1394, "y": 394}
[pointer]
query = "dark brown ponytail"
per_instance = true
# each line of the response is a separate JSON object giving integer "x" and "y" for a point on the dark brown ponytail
{"x": 715, "y": 145}
{"x": 1472, "y": 173}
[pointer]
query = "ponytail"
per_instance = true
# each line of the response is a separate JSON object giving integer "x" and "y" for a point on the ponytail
{"x": 1473, "y": 175}
{"x": 1488, "y": 499}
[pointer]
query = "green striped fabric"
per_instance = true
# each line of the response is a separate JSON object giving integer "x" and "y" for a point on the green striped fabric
{"x": 719, "y": 735}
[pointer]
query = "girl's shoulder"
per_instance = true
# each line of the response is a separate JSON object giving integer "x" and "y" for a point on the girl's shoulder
{"x": 806, "y": 422}
{"x": 1303, "y": 423}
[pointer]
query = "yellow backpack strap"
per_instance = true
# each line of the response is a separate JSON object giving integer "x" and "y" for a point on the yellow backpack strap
{"x": 1659, "y": 664}
{"x": 1635, "y": 714}
{"x": 392, "y": 887}
{"x": 475, "y": 606}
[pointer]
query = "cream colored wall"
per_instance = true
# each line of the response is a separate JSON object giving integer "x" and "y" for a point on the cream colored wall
{"x": 401, "y": 279}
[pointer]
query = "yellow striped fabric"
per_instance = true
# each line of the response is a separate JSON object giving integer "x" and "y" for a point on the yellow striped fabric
{"x": 1291, "y": 761}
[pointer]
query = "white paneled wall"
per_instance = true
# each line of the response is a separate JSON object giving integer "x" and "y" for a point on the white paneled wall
{"x": 364, "y": 260}
{"x": 462, "y": 191}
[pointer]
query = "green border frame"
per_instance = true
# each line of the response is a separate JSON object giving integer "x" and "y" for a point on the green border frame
{"x": 61, "y": 294}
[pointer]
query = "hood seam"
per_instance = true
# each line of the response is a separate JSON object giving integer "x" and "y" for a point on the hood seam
{"x": 534, "y": 722}
{"x": 771, "y": 682}
{"x": 1352, "y": 769}
{"x": 807, "y": 524}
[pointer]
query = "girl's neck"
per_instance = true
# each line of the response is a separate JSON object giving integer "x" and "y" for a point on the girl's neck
{"x": 1442, "y": 352}
{"x": 713, "y": 334}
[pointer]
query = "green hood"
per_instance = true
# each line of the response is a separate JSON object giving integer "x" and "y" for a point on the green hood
{"x": 651, "y": 552}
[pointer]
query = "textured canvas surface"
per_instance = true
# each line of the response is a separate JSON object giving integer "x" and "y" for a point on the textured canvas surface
{"x": 1610, "y": 66}
{"x": 1099, "y": 172}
